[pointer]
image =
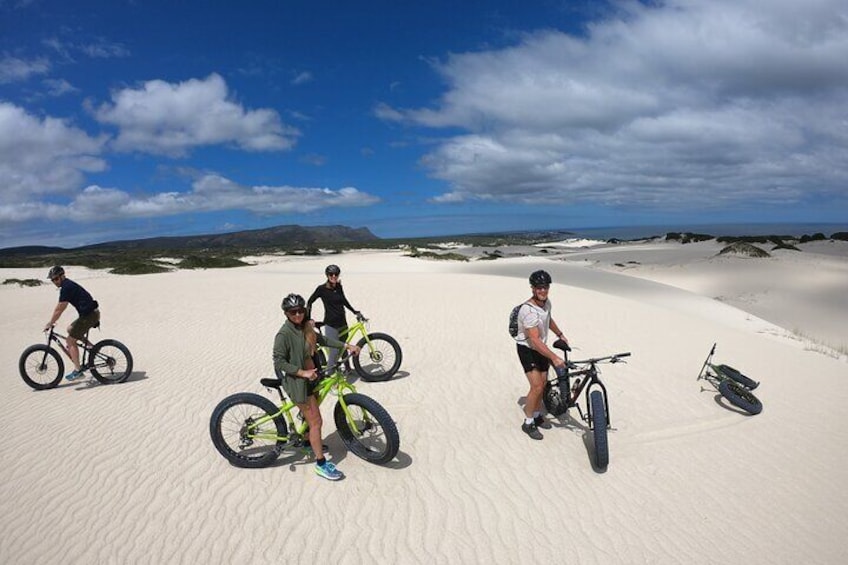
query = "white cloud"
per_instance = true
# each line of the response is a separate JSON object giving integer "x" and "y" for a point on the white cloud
{"x": 43, "y": 155}
{"x": 209, "y": 193}
{"x": 672, "y": 105}
{"x": 172, "y": 119}
{"x": 15, "y": 69}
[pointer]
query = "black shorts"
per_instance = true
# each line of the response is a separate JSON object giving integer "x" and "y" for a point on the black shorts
{"x": 532, "y": 360}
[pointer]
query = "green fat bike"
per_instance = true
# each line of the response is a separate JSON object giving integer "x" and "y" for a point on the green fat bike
{"x": 379, "y": 354}
{"x": 249, "y": 430}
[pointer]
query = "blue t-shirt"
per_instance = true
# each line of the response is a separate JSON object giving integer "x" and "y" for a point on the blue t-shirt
{"x": 78, "y": 297}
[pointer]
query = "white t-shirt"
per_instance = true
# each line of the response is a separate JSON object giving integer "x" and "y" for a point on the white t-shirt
{"x": 532, "y": 316}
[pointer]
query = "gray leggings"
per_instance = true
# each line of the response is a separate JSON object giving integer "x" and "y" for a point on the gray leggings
{"x": 333, "y": 353}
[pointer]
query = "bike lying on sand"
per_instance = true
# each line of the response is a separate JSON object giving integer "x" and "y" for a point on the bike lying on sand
{"x": 379, "y": 354}
{"x": 560, "y": 395}
{"x": 251, "y": 431}
{"x": 731, "y": 384}
{"x": 42, "y": 367}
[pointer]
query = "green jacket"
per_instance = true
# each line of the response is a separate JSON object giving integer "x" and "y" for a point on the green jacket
{"x": 290, "y": 348}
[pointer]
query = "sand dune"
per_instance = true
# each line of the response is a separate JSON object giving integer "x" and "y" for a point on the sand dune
{"x": 127, "y": 473}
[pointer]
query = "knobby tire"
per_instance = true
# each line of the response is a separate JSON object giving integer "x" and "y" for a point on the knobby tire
{"x": 41, "y": 367}
{"x": 229, "y": 430}
{"x": 732, "y": 373}
{"x": 740, "y": 397}
{"x": 374, "y": 436}
{"x": 599, "y": 429}
{"x": 111, "y": 361}
{"x": 382, "y": 363}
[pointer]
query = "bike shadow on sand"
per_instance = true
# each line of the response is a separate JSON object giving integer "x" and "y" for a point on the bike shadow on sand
{"x": 337, "y": 453}
{"x": 724, "y": 403}
{"x": 92, "y": 383}
{"x": 354, "y": 378}
{"x": 569, "y": 422}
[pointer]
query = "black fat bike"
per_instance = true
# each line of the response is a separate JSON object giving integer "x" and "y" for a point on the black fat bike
{"x": 561, "y": 394}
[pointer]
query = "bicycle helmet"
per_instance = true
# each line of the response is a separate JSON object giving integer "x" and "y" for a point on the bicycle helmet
{"x": 540, "y": 278}
{"x": 55, "y": 271}
{"x": 332, "y": 270}
{"x": 293, "y": 301}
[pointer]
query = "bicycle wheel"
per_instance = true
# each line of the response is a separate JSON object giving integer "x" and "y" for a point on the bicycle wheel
{"x": 379, "y": 361}
{"x": 599, "y": 429}
{"x": 41, "y": 367}
{"x": 110, "y": 361}
{"x": 740, "y": 397}
{"x": 732, "y": 373}
{"x": 370, "y": 433}
{"x": 238, "y": 438}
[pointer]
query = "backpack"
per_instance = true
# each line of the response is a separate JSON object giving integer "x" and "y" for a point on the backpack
{"x": 513, "y": 321}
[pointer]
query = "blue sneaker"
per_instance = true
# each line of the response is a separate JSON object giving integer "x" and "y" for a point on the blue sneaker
{"x": 74, "y": 375}
{"x": 328, "y": 471}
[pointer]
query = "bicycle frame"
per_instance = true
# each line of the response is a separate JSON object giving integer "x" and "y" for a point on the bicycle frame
{"x": 84, "y": 344}
{"x": 335, "y": 384}
{"x": 349, "y": 333}
{"x": 588, "y": 377}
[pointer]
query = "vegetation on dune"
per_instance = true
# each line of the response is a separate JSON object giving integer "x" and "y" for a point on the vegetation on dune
{"x": 688, "y": 237}
{"x": 24, "y": 282}
{"x": 449, "y": 256}
{"x": 744, "y": 248}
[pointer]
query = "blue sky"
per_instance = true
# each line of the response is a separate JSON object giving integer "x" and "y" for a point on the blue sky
{"x": 128, "y": 119}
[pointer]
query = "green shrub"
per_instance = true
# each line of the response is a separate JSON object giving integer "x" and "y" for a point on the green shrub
{"x": 24, "y": 282}
{"x": 203, "y": 262}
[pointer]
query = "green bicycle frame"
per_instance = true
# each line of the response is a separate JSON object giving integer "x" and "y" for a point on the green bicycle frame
{"x": 335, "y": 384}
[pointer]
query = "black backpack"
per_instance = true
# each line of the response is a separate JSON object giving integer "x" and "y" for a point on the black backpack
{"x": 513, "y": 320}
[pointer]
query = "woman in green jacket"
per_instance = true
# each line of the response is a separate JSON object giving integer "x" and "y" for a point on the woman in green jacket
{"x": 294, "y": 349}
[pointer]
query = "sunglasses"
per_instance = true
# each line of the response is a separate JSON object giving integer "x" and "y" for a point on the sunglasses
{"x": 333, "y": 275}
{"x": 542, "y": 287}
{"x": 54, "y": 279}
{"x": 296, "y": 311}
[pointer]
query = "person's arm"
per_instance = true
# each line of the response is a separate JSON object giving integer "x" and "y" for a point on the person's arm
{"x": 345, "y": 301}
{"x": 57, "y": 313}
{"x": 535, "y": 340}
{"x": 336, "y": 344}
{"x": 557, "y": 332}
{"x": 309, "y": 302}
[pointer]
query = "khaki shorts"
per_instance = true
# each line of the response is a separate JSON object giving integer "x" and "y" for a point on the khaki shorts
{"x": 81, "y": 325}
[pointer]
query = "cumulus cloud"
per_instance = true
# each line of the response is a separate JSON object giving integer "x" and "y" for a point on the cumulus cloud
{"x": 209, "y": 193}
{"x": 43, "y": 155}
{"x": 669, "y": 105}
{"x": 172, "y": 119}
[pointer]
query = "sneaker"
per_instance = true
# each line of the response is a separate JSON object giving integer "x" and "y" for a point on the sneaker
{"x": 328, "y": 471}
{"x": 74, "y": 375}
{"x": 531, "y": 430}
{"x": 542, "y": 423}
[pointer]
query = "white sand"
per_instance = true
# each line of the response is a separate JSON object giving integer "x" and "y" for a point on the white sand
{"x": 127, "y": 474}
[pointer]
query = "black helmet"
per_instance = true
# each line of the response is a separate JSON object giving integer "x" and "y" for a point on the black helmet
{"x": 540, "y": 278}
{"x": 332, "y": 270}
{"x": 55, "y": 271}
{"x": 293, "y": 301}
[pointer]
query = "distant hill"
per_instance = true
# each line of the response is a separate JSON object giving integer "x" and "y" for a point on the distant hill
{"x": 279, "y": 237}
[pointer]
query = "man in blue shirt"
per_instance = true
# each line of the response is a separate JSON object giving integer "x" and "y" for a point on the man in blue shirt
{"x": 87, "y": 310}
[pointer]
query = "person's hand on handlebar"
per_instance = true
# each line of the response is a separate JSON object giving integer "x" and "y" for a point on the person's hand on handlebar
{"x": 352, "y": 349}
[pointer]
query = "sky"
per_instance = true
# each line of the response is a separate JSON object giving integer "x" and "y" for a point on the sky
{"x": 125, "y": 119}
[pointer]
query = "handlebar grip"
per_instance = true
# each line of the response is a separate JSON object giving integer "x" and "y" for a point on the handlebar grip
{"x": 623, "y": 354}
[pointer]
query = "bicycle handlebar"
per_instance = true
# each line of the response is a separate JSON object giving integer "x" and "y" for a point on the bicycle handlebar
{"x": 609, "y": 358}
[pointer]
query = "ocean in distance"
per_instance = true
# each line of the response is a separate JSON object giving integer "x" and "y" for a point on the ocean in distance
{"x": 717, "y": 230}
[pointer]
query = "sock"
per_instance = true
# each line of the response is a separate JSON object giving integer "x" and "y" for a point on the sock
{"x": 537, "y": 413}
{"x": 528, "y": 421}
{"x": 320, "y": 462}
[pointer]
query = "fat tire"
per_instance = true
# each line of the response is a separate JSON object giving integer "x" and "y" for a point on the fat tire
{"x": 740, "y": 397}
{"x": 599, "y": 429}
{"x": 380, "y": 441}
{"x": 732, "y": 373}
{"x": 227, "y": 423}
{"x": 111, "y": 361}
{"x": 377, "y": 370}
{"x": 37, "y": 370}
